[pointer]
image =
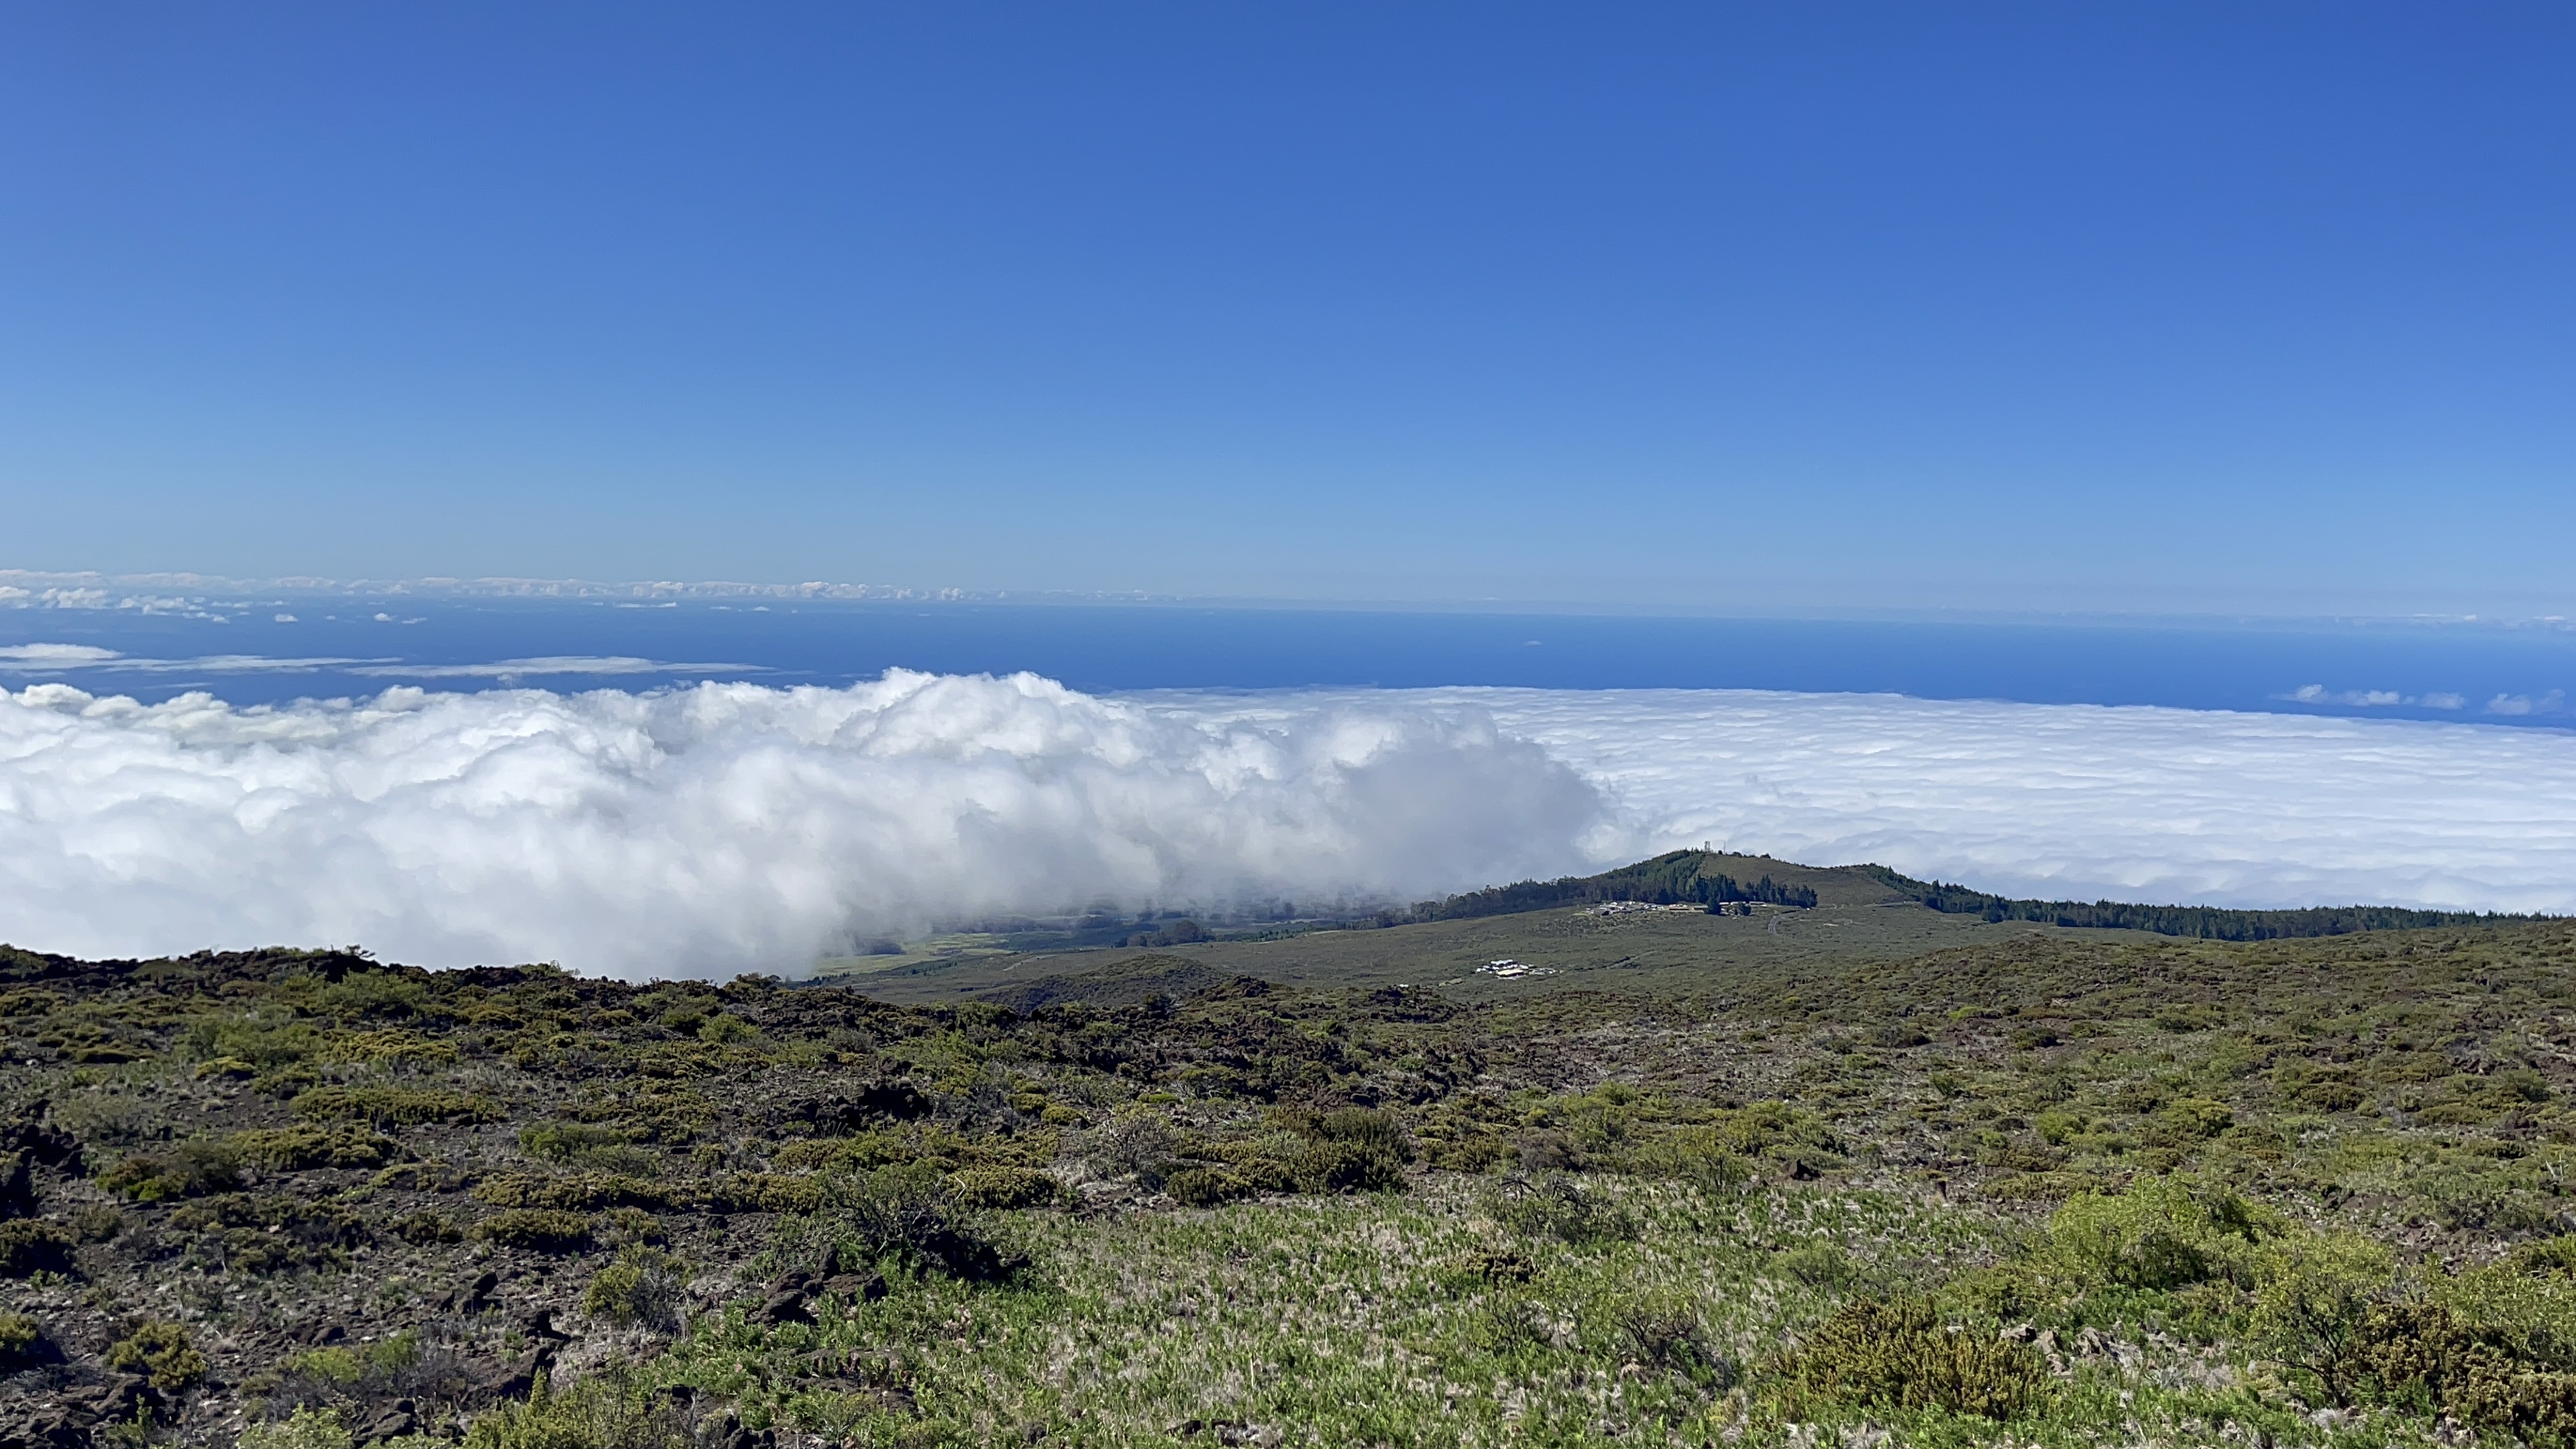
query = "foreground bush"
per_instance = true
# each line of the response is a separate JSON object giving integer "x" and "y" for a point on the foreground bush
{"x": 642, "y": 1289}
{"x": 538, "y": 1229}
{"x": 1901, "y": 1355}
{"x": 907, "y": 1218}
{"x": 28, "y": 1247}
{"x": 609, "y": 1410}
{"x": 161, "y": 1352}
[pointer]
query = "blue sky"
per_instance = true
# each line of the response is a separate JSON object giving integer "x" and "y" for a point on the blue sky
{"x": 2235, "y": 307}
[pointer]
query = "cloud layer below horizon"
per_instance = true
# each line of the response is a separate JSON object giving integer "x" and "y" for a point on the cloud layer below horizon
{"x": 732, "y": 827}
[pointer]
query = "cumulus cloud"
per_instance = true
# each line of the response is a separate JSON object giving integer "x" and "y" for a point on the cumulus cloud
{"x": 2370, "y": 698}
{"x": 729, "y": 826}
{"x": 2554, "y": 702}
{"x": 733, "y": 826}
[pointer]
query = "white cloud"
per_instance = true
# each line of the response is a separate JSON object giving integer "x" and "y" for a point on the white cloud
{"x": 2554, "y": 702}
{"x": 601, "y": 664}
{"x": 2367, "y": 698}
{"x": 2082, "y": 800}
{"x": 43, "y": 659}
{"x": 58, "y": 655}
{"x": 39, "y": 659}
{"x": 727, "y": 826}
{"x": 733, "y": 826}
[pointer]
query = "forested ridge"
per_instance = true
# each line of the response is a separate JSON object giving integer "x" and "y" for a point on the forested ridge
{"x": 2208, "y": 923}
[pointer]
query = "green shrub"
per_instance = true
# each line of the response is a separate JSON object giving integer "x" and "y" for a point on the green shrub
{"x": 580, "y": 1192}
{"x": 95, "y": 1222}
{"x": 1669, "y": 1334}
{"x": 908, "y": 1216}
{"x": 1204, "y": 1187}
{"x": 2311, "y": 1293}
{"x": 1900, "y": 1355}
{"x": 564, "y": 1141}
{"x": 614, "y": 1409}
{"x": 538, "y": 1229}
{"x": 1700, "y": 1155}
{"x": 642, "y": 1289}
{"x": 427, "y": 1227}
{"x": 2422, "y": 1352}
{"x": 162, "y": 1352}
{"x": 1006, "y": 1187}
{"x": 298, "y": 1148}
{"x": 2554, "y": 1257}
{"x": 1819, "y": 1265}
{"x": 2162, "y": 1233}
{"x": 28, "y": 1247}
{"x": 770, "y": 1192}
{"x": 303, "y": 1429}
{"x": 1508, "y": 1324}
{"x": 188, "y": 1169}
{"x": 22, "y": 1341}
{"x": 1558, "y": 1207}
{"x": 395, "y": 1106}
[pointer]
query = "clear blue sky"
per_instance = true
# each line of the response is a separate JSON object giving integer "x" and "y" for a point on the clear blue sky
{"x": 2233, "y": 306}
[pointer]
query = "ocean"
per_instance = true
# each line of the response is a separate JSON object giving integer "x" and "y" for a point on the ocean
{"x": 269, "y": 651}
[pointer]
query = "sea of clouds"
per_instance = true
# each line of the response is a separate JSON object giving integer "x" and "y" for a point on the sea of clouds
{"x": 730, "y": 826}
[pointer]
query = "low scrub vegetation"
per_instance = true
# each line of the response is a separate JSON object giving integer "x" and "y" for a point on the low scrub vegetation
{"x": 2061, "y": 1191}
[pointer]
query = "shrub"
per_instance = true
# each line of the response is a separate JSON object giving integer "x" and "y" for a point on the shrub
{"x": 1509, "y": 1324}
{"x": 581, "y": 1192}
{"x": 1699, "y": 1155}
{"x": 2162, "y": 1233}
{"x": 564, "y": 1141}
{"x": 1668, "y": 1334}
{"x": 189, "y": 1169}
{"x": 1900, "y": 1355}
{"x": 908, "y": 1215}
{"x": 303, "y": 1429}
{"x": 429, "y": 1226}
{"x": 28, "y": 1247}
{"x": 2422, "y": 1351}
{"x": 95, "y": 1222}
{"x": 613, "y": 1409}
{"x": 2311, "y": 1293}
{"x": 539, "y": 1229}
{"x": 295, "y": 1149}
{"x": 770, "y": 1192}
{"x": 162, "y": 1352}
{"x": 1819, "y": 1265}
{"x": 22, "y": 1341}
{"x": 642, "y": 1289}
{"x": 1336, "y": 1167}
{"x": 1558, "y": 1207}
{"x": 1006, "y": 1187}
{"x": 1350, "y": 1149}
{"x": 394, "y": 1106}
{"x": 1204, "y": 1187}
{"x": 1132, "y": 1142}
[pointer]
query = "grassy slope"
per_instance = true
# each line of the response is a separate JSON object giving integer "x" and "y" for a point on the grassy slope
{"x": 1756, "y": 1141}
{"x": 1663, "y": 952}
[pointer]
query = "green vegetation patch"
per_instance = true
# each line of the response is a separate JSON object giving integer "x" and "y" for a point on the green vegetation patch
{"x": 388, "y": 1107}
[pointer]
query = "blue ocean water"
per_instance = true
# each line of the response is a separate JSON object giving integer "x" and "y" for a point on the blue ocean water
{"x": 275, "y": 650}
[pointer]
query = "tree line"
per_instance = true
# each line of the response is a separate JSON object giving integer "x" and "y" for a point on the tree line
{"x": 2212, "y": 923}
